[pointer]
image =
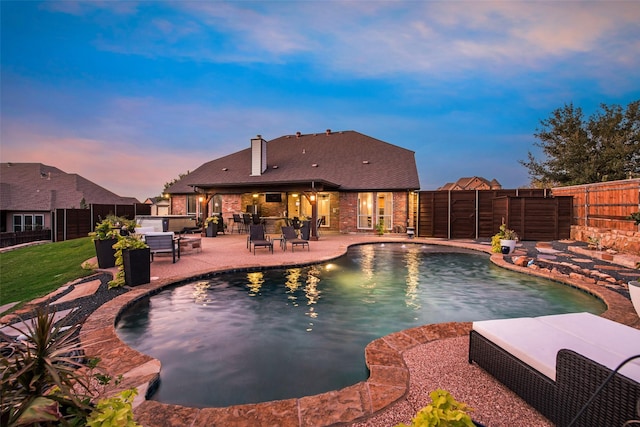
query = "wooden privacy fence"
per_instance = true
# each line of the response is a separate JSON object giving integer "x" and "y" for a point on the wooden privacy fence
{"x": 13, "y": 238}
{"x": 604, "y": 204}
{"x": 473, "y": 214}
{"x": 74, "y": 223}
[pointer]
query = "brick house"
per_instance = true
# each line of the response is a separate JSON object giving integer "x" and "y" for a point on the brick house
{"x": 472, "y": 183}
{"x": 29, "y": 192}
{"x": 348, "y": 181}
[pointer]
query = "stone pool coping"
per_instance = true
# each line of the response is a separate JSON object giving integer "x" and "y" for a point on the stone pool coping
{"x": 389, "y": 376}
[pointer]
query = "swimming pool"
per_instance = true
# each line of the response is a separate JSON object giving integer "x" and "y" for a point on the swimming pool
{"x": 265, "y": 335}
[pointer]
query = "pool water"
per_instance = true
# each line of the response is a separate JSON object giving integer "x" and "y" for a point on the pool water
{"x": 257, "y": 336}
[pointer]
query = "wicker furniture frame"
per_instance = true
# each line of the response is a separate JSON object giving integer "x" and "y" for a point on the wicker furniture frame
{"x": 577, "y": 378}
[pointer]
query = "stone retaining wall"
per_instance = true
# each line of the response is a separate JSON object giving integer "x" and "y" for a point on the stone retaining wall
{"x": 619, "y": 240}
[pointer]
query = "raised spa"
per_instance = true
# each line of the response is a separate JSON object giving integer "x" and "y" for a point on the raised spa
{"x": 247, "y": 337}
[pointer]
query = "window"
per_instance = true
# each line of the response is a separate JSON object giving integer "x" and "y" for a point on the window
{"x": 28, "y": 222}
{"x": 192, "y": 205}
{"x": 385, "y": 209}
{"x": 365, "y": 210}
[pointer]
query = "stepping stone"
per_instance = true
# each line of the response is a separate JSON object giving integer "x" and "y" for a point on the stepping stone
{"x": 547, "y": 250}
{"x": 6, "y": 307}
{"x": 79, "y": 291}
{"x": 547, "y": 257}
{"x": 606, "y": 267}
{"x": 581, "y": 260}
{"x": 8, "y": 330}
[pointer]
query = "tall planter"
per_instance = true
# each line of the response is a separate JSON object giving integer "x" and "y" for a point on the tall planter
{"x": 212, "y": 230}
{"x": 105, "y": 253}
{"x": 137, "y": 266}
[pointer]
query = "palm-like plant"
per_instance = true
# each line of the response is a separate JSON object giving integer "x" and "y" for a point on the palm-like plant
{"x": 40, "y": 383}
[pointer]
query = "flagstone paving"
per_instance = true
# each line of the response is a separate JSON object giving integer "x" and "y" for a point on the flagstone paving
{"x": 388, "y": 394}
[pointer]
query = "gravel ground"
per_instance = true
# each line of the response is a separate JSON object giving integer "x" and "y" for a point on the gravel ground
{"x": 444, "y": 364}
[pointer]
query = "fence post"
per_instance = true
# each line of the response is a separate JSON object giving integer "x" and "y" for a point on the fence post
{"x": 449, "y": 217}
{"x": 477, "y": 213}
{"x": 586, "y": 206}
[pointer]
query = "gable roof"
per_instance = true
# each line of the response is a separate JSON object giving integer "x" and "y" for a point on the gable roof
{"x": 471, "y": 183}
{"x": 347, "y": 160}
{"x": 38, "y": 187}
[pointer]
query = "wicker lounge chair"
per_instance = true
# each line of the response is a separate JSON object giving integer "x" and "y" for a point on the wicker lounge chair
{"x": 559, "y": 389}
{"x": 290, "y": 236}
{"x": 257, "y": 238}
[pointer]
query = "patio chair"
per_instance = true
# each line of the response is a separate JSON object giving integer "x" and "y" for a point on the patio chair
{"x": 163, "y": 242}
{"x": 257, "y": 238}
{"x": 237, "y": 223}
{"x": 305, "y": 230}
{"x": 290, "y": 236}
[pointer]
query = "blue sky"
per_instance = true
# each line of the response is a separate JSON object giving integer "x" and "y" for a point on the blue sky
{"x": 131, "y": 94}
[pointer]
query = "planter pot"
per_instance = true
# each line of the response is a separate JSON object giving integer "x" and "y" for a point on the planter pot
{"x": 105, "y": 253}
{"x": 137, "y": 266}
{"x": 212, "y": 230}
{"x": 634, "y": 291}
{"x": 509, "y": 244}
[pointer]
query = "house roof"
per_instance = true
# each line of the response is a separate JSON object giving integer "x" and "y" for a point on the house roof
{"x": 471, "y": 183}
{"x": 38, "y": 187}
{"x": 345, "y": 160}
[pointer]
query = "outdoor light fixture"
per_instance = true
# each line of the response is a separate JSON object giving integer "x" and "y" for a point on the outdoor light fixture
{"x": 201, "y": 199}
{"x": 312, "y": 197}
{"x": 255, "y": 195}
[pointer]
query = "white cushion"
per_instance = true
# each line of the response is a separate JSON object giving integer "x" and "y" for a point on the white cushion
{"x": 144, "y": 230}
{"x": 536, "y": 341}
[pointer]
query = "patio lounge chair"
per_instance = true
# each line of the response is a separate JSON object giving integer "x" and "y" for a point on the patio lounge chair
{"x": 290, "y": 236}
{"x": 163, "y": 242}
{"x": 557, "y": 364}
{"x": 258, "y": 239}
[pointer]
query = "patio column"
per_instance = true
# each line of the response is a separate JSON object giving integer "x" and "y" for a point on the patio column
{"x": 314, "y": 216}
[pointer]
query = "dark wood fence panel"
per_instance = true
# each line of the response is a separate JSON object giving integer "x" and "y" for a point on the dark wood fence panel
{"x": 604, "y": 204}
{"x": 535, "y": 218}
{"x": 76, "y": 223}
{"x": 470, "y": 214}
{"x": 16, "y": 238}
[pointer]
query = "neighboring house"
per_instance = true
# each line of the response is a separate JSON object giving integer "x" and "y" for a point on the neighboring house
{"x": 159, "y": 205}
{"x": 472, "y": 183}
{"x": 29, "y": 192}
{"x": 347, "y": 180}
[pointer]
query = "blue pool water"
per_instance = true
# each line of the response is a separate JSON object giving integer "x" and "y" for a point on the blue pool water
{"x": 265, "y": 335}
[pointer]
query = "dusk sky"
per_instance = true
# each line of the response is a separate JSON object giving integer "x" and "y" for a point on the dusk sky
{"x": 131, "y": 94}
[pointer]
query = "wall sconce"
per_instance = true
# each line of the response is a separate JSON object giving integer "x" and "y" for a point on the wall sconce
{"x": 312, "y": 197}
{"x": 201, "y": 199}
{"x": 255, "y": 195}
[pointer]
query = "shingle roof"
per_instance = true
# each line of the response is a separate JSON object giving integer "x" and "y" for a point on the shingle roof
{"x": 38, "y": 187}
{"x": 347, "y": 160}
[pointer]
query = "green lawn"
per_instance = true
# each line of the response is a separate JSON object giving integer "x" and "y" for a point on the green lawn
{"x": 34, "y": 271}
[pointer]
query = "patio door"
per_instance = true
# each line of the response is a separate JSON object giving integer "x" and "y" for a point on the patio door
{"x": 324, "y": 209}
{"x": 385, "y": 209}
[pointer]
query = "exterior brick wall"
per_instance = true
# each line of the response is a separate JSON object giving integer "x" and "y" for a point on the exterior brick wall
{"x": 179, "y": 205}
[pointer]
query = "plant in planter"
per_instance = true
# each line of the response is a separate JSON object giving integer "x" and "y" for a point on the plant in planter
{"x": 105, "y": 235}
{"x": 380, "y": 227}
{"x": 443, "y": 411}
{"x": 504, "y": 238}
{"x": 133, "y": 261}
{"x": 211, "y": 226}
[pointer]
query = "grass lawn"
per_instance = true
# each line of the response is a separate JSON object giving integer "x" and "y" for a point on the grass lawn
{"x": 34, "y": 271}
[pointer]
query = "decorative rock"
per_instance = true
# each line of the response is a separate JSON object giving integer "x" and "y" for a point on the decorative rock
{"x": 521, "y": 261}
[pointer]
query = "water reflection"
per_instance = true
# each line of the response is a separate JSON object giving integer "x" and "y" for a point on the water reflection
{"x": 312, "y": 293}
{"x": 201, "y": 293}
{"x": 293, "y": 284}
{"x": 256, "y": 280}
{"x": 412, "y": 260}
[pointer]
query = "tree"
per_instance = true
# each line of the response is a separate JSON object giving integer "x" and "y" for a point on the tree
{"x": 605, "y": 147}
